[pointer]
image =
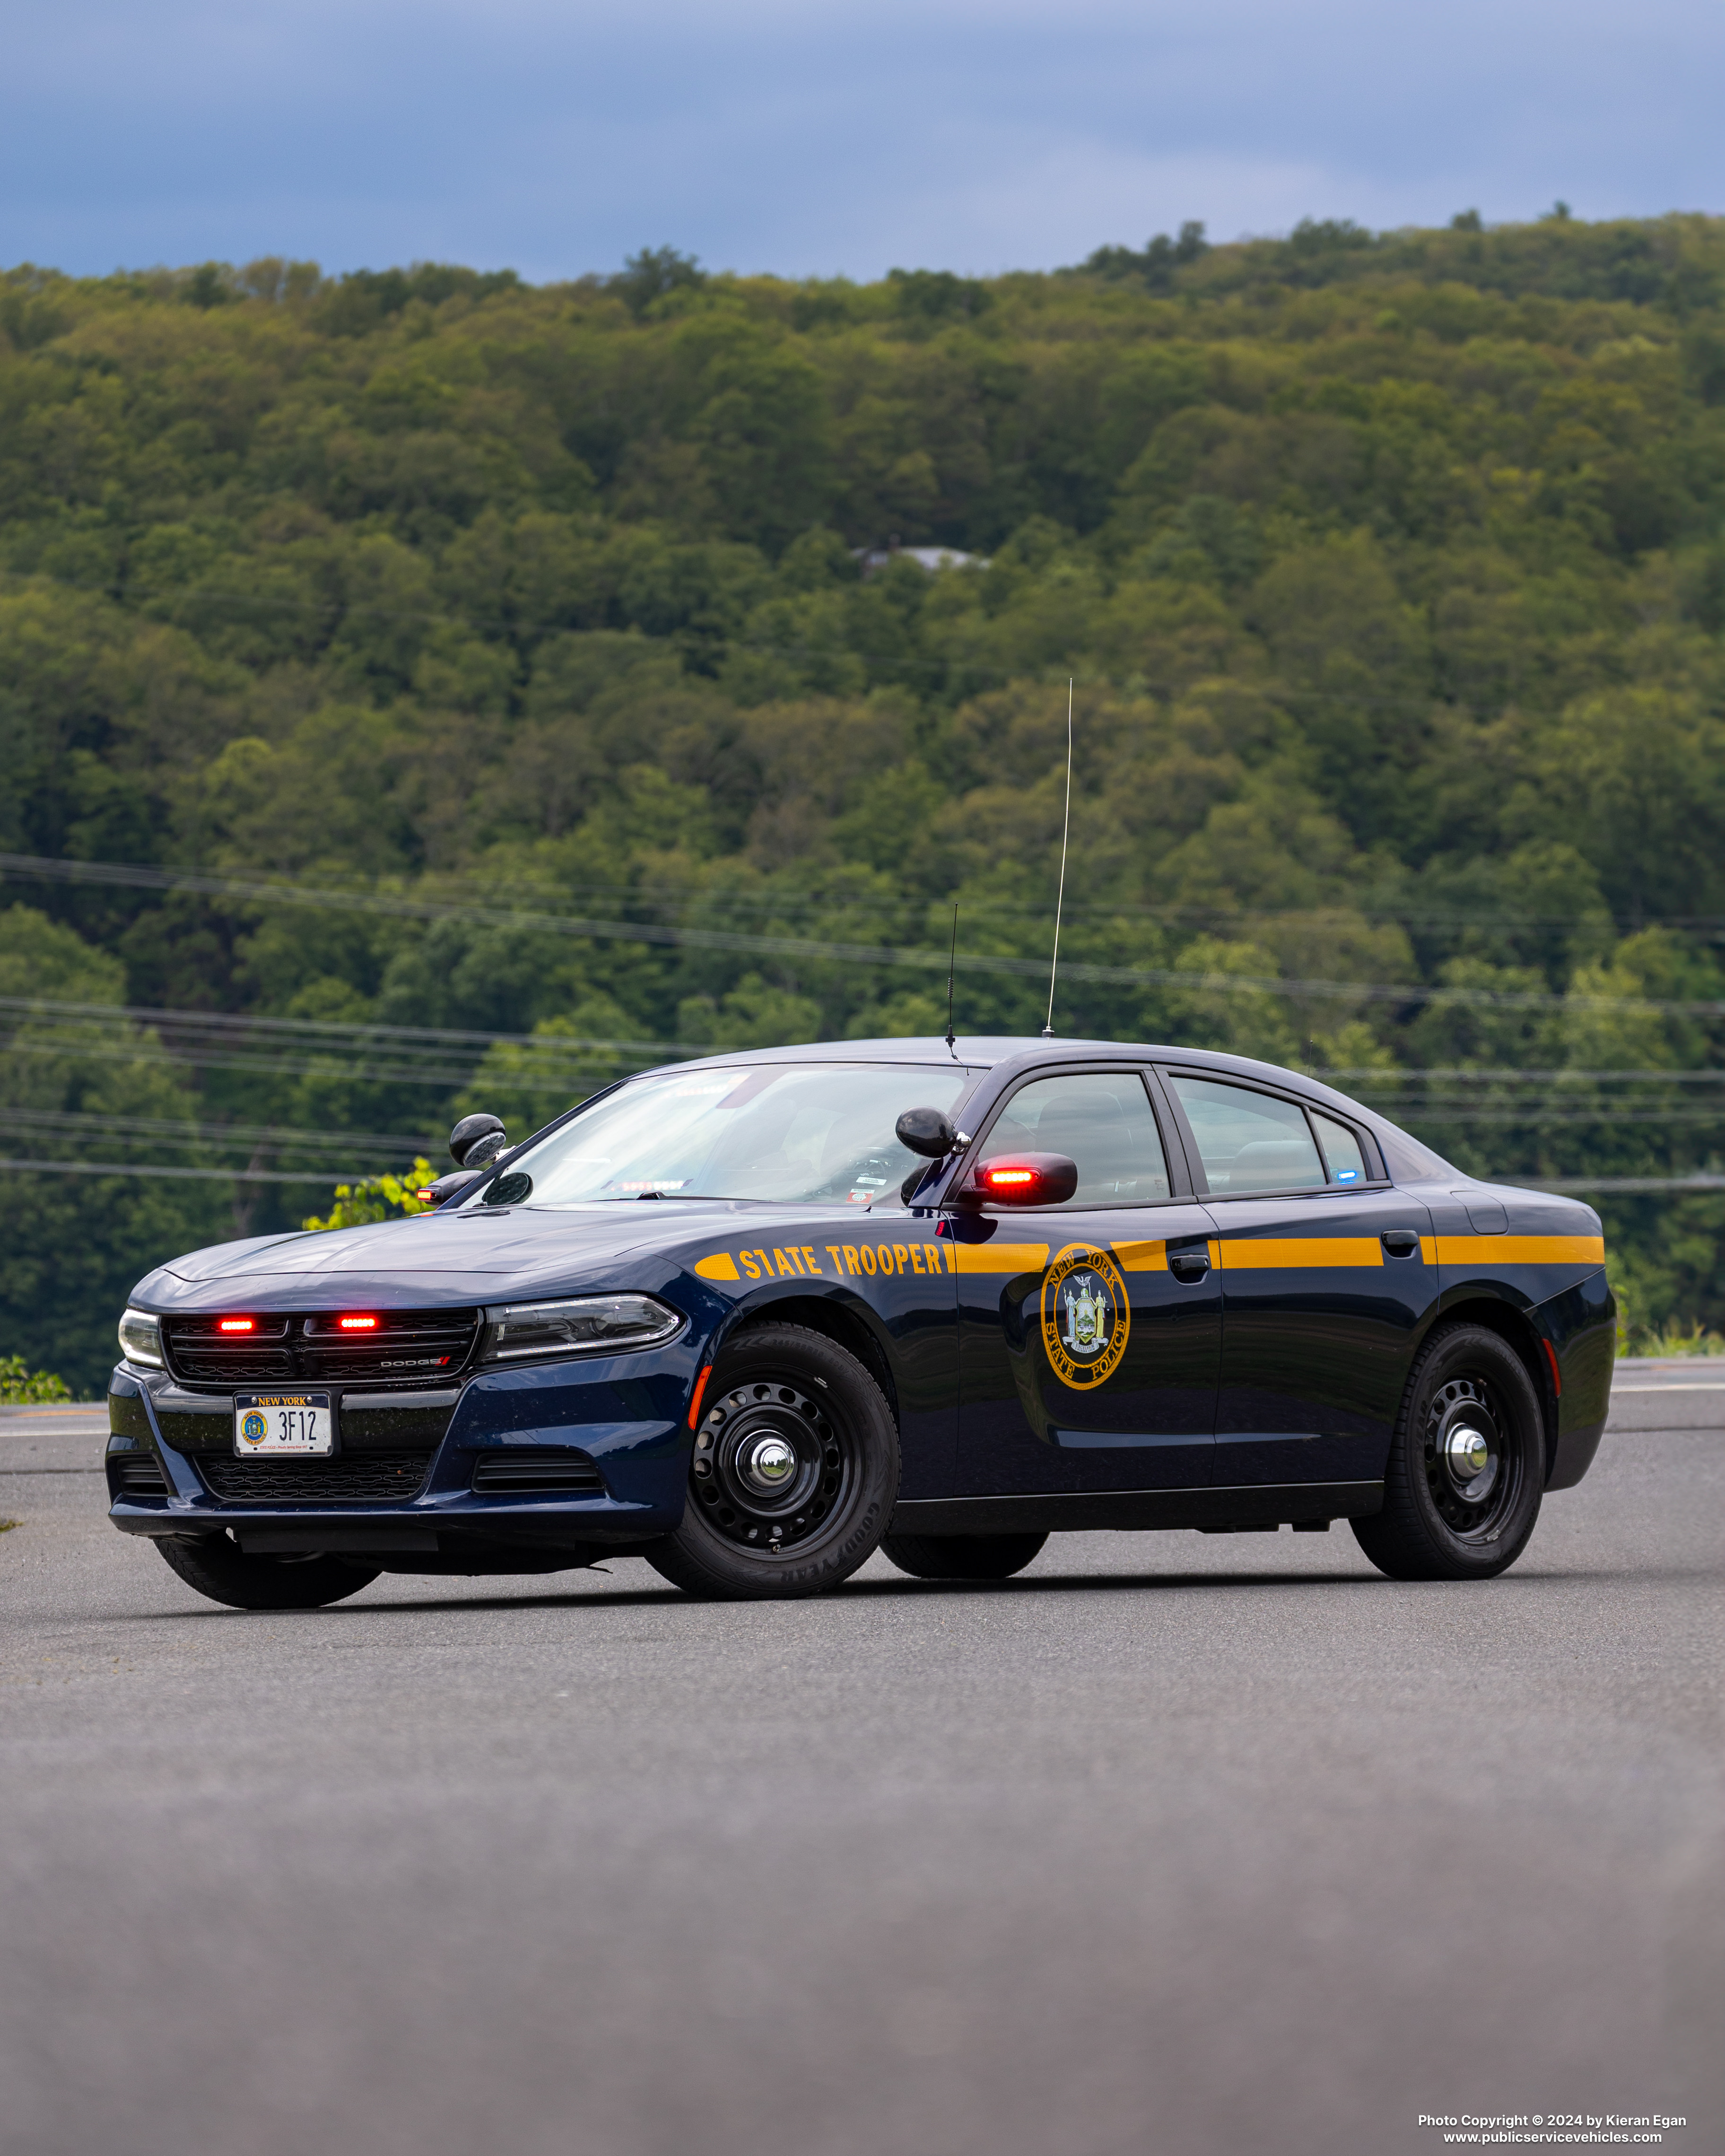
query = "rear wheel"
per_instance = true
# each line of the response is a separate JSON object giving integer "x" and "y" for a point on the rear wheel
{"x": 216, "y": 1567}
{"x": 794, "y": 1475}
{"x": 961, "y": 1557}
{"x": 1467, "y": 1465}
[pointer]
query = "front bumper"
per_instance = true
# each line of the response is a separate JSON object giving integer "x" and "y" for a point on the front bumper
{"x": 625, "y": 1412}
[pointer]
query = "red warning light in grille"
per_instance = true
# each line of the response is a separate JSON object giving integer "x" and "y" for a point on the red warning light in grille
{"x": 359, "y": 1324}
{"x": 236, "y": 1325}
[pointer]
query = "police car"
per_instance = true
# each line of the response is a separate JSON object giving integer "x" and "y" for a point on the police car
{"x": 753, "y": 1317}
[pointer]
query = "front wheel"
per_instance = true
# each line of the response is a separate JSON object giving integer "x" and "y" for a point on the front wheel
{"x": 961, "y": 1557}
{"x": 794, "y": 1475}
{"x": 1467, "y": 1465}
{"x": 216, "y": 1567}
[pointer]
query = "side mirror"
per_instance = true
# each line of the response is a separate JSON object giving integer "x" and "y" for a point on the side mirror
{"x": 476, "y": 1139}
{"x": 1023, "y": 1179}
{"x": 926, "y": 1130}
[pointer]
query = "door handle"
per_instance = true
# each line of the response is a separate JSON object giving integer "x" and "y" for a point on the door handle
{"x": 1188, "y": 1265}
{"x": 1400, "y": 1242}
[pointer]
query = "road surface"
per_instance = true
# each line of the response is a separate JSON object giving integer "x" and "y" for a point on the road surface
{"x": 1177, "y": 1843}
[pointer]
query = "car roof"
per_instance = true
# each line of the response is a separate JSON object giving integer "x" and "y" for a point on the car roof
{"x": 979, "y": 1052}
{"x": 1007, "y": 1053}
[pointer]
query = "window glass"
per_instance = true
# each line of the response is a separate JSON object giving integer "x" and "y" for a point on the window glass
{"x": 785, "y": 1131}
{"x": 1248, "y": 1140}
{"x": 1342, "y": 1151}
{"x": 1103, "y": 1122}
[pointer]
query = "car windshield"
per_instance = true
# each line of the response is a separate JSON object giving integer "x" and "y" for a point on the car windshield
{"x": 785, "y": 1131}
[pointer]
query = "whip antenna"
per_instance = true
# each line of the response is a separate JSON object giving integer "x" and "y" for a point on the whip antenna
{"x": 1065, "y": 829}
{"x": 952, "y": 961}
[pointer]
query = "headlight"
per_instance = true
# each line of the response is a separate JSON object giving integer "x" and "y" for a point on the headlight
{"x": 514, "y": 1329}
{"x": 140, "y": 1338}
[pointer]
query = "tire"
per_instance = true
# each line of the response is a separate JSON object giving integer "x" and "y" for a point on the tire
{"x": 216, "y": 1567}
{"x": 961, "y": 1557}
{"x": 1439, "y": 1521}
{"x": 794, "y": 1393}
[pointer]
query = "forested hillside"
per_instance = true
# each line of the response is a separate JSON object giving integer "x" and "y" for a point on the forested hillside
{"x": 417, "y": 658}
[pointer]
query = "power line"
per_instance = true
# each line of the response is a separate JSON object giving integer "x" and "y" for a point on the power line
{"x": 1661, "y": 1186}
{"x": 218, "y": 1135}
{"x": 1508, "y": 1074}
{"x": 284, "y": 893}
{"x": 219, "y": 1040}
{"x": 1524, "y": 1119}
{"x": 793, "y": 903}
{"x": 78, "y": 1051}
{"x": 335, "y": 1029}
{"x": 328, "y": 1176}
{"x": 1650, "y": 1185}
{"x": 571, "y": 1047}
{"x": 1338, "y": 911}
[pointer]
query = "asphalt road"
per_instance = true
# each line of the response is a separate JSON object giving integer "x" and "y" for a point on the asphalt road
{"x": 1175, "y": 1844}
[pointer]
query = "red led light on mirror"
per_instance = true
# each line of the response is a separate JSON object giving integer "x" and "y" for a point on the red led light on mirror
{"x": 359, "y": 1324}
{"x": 236, "y": 1325}
{"x": 1026, "y": 1178}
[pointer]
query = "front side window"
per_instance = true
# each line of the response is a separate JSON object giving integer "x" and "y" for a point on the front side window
{"x": 1103, "y": 1120}
{"x": 784, "y": 1133}
{"x": 1248, "y": 1142}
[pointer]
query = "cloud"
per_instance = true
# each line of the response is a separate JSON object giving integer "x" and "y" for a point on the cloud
{"x": 781, "y": 135}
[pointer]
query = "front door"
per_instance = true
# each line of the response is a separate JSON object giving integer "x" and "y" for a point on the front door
{"x": 1326, "y": 1272}
{"x": 1088, "y": 1332}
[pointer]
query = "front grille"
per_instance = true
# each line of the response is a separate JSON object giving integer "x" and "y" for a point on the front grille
{"x": 411, "y": 1349}
{"x": 536, "y": 1467}
{"x": 347, "y": 1478}
{"x": 136, "y": 1475}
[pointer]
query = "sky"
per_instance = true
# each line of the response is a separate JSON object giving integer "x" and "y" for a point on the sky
{"x": 555, "y": 137}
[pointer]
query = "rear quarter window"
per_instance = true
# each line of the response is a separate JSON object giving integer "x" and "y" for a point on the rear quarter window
{"x": 1248, "y": 1142}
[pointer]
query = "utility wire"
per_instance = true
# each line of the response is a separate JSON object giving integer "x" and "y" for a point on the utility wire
{"x": 337, "y": 1029}
{"x": 446, "y": 1081}
{"x": 219, "y": 1136}
{"x": 1375, "y": 1076}
{"x": 1654, "y": 1186}
{"x": 325, "y": 1176}
{"x": 284, "y": 893}
{"x": 1650, "y": 1185}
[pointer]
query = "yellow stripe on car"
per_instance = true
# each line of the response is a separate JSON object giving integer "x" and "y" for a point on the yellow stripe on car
{"x": 1242, "y": 1254}
{"x": 720, "y": 1265}
{"x": 1001, "y": 1257}
{"x": 1259, "y": 1253}
{"x": 1142, "y": 1257}
{"x": 1520, "y": 1250}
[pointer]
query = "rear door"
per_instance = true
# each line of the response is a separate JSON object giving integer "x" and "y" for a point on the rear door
{"x": 1088, "y": 1332}
{"x": 1326, "y": 1272}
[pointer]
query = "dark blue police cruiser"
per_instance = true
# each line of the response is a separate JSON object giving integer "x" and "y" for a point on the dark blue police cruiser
{"x": 753, "y": 1317}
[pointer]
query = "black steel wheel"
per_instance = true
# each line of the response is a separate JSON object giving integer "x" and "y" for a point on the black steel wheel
{"x": 1466, "y": 1466}
{"x": 221, "y": 1570}
{"x": 961, "y": 1557}
{"x": 794, "y": 1471}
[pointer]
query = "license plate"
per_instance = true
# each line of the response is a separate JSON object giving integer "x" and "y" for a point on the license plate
{"x": 274, "y": 1423}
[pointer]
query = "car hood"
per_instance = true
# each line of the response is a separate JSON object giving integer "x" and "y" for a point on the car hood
{"x": 474, "y": 1255}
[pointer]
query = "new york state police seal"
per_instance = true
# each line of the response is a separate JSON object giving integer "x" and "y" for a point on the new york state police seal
{"x": 1085, "y": 1316}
